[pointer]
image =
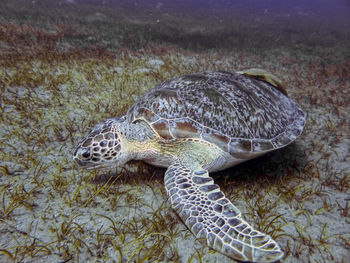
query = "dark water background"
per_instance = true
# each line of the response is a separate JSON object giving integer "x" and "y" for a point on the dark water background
{"x": 328, "y": 10}
{"x": 237, "y": 23}
{"x": 193, "y": 24}
{"x": 316, "y": 7}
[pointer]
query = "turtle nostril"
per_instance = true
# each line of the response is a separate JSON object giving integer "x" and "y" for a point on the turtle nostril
{"x": 86, "y": 154}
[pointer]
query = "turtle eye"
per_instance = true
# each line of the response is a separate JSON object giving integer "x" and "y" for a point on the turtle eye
{"x": 86, "y": 153}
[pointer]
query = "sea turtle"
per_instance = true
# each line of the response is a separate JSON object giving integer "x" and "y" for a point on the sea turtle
{"x": 196, "y": 124}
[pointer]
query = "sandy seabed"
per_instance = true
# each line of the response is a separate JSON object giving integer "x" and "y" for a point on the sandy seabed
{"x": 53, "y": 90}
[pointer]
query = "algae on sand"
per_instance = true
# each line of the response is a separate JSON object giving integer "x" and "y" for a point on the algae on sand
{"x": 57, "y": 80}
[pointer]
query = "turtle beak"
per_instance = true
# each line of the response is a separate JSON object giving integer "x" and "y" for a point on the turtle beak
{"x": 80, "y": 162}
{"x": 86, "y": 164}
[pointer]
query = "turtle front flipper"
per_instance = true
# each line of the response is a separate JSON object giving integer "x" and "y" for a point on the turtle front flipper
{"x": 212, "y": 217}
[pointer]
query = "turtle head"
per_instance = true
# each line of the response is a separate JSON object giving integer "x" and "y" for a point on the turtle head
{"x": 103, "y": 145}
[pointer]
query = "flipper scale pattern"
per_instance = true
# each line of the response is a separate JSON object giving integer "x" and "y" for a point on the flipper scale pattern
{"x": 212, "y": 217}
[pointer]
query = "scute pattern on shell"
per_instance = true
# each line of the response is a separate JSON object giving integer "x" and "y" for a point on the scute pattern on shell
{"x": 237, "y": 113}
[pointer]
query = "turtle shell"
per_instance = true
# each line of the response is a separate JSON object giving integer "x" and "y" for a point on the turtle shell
{"x": 241, "y": 115}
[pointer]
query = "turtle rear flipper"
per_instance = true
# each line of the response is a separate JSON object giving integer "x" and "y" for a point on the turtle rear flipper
{"x": 212, "y": 217}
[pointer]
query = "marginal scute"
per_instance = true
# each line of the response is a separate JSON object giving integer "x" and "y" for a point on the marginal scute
{"x": 216, "y": 138}
{"x": 262, "y": 146}
{"x": 240, "y": 148}
{"x": 185, "y": 128}
{"x": 144, "y": 113}
{"x": 281, "y": 140}
{"x": 162, "y": 128}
